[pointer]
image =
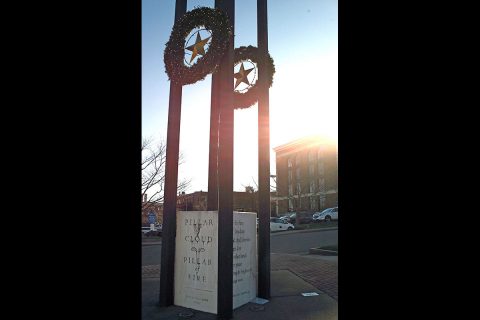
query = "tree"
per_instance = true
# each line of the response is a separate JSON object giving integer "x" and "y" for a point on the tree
{"x": 273, "y": 188}
{"x": 153, "y": 173}
{"x": 255, "y": 184}
{"x": 294, "y": 195}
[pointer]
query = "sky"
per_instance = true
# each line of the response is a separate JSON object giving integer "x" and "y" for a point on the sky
{"x": 303, "y": 42}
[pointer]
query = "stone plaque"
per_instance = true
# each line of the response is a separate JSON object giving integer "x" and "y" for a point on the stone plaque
{"x": 196, "y": 264}
{"x": 244, "y": 258}
{"x": 196, "y": 259}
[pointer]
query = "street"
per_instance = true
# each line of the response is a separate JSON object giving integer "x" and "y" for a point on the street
{"x": 151, "y": 254}
{"x": 282, "y": 242}
{"x": 300, "y": 242}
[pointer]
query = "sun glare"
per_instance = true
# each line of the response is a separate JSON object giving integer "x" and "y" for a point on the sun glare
{"x": 304, "y": 101}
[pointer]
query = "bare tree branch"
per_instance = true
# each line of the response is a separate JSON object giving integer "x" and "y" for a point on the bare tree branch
{"x": 153, "y": 172}
{"x": 272, "y": 187}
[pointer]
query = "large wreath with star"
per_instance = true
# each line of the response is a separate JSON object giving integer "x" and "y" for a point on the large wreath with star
{"x": 243, "y": 100}
{"x": 213, "y": 20}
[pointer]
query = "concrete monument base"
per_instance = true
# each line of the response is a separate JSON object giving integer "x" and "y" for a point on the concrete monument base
{"x": 197, "y": 258}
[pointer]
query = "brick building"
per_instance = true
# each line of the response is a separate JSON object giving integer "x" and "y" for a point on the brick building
{"x": 246, "y": 201}
{"x": 307, "y": 175}
{"x": 151, "y": 207}
{"x": 196, "y": 201}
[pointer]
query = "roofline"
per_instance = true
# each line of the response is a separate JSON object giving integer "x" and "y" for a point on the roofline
{"x": 305, "y": 142}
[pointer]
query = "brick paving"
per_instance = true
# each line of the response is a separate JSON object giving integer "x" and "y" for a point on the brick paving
{"x": 151, "y": 271}
{"x": 322, "y": 274}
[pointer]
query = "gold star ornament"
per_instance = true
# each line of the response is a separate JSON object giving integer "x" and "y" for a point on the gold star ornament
{"x": 241, "y": 76}
{"x": 198, "y": 47}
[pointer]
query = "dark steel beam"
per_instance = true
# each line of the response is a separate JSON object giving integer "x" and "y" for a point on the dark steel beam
{"x": 225, "y": 174}
{"x": 263, "y": 155}
{"x": 212, "y": 197}
{"x": 170, "y": 188}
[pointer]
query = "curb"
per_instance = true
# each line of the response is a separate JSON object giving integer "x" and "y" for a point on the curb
{"x": 151, "y": 243}
{"x": 302, "y": 231}
{"x": 323, "y": 252}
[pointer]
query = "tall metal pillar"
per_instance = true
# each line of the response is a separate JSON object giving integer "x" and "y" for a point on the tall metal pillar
{"x": 225, "y": 174}
{"x": 212, "y": 197}
{"x": 170, "y": 188}
{"x": 263, "y": 155}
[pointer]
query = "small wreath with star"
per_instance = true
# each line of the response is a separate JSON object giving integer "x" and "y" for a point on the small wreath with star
{"x": 211, "y": 19}
{"x": 250, "y": 97}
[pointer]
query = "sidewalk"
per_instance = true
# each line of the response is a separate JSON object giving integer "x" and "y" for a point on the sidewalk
{"x": 291, "y": 275}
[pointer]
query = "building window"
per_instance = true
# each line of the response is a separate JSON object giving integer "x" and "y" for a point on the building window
{"x": 290, "y": 176}
{"x": 312, "y": 186}
{"x": 290, "y": 204}
{"x": 322, "y": 203}
{"x": 290, "y": 162}
{"x": 321, "y": 168}
{"x": 313, "y": 203}
{"x": 290, "y": 190}
{"x": 299, "y": 188}
{"x": 321, "y": 185}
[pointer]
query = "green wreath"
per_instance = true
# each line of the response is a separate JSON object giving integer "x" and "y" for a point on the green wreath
{"x": 249, "y": 98}
{"x": 219, "y": 25}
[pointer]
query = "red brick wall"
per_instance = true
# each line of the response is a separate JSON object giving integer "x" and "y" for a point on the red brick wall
{"x": 153, "y": 207}
{"x": 242, "y": 201}
{"x": 330, "y": 175}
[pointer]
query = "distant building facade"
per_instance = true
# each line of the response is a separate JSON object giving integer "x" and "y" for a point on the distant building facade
{"x": 148, "y": 208}
{"x": 196, "y": 201}
{"x": 306, "y": 175}
{"x": 246, "y": 201}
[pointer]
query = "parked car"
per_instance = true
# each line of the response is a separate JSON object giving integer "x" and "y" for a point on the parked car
{"x": 326, "y": 215}
{"x": 304, "y": 217}
{"x": 307, "y": 218}
{"x": 292, "y": 217}
{"x": 147, "y": 231}
{"x": 289, "y": 217}
{"x": 278, "y": 224}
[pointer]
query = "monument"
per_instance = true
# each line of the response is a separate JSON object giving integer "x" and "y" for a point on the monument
{"x": 197, "y": 258}
{"x": 209, "y": 258}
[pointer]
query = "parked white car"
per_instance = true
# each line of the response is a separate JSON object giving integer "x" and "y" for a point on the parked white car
{"x": 277, "y": 224}
{"x": 147, "y": 231}
{"x": 326, "y": 215}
